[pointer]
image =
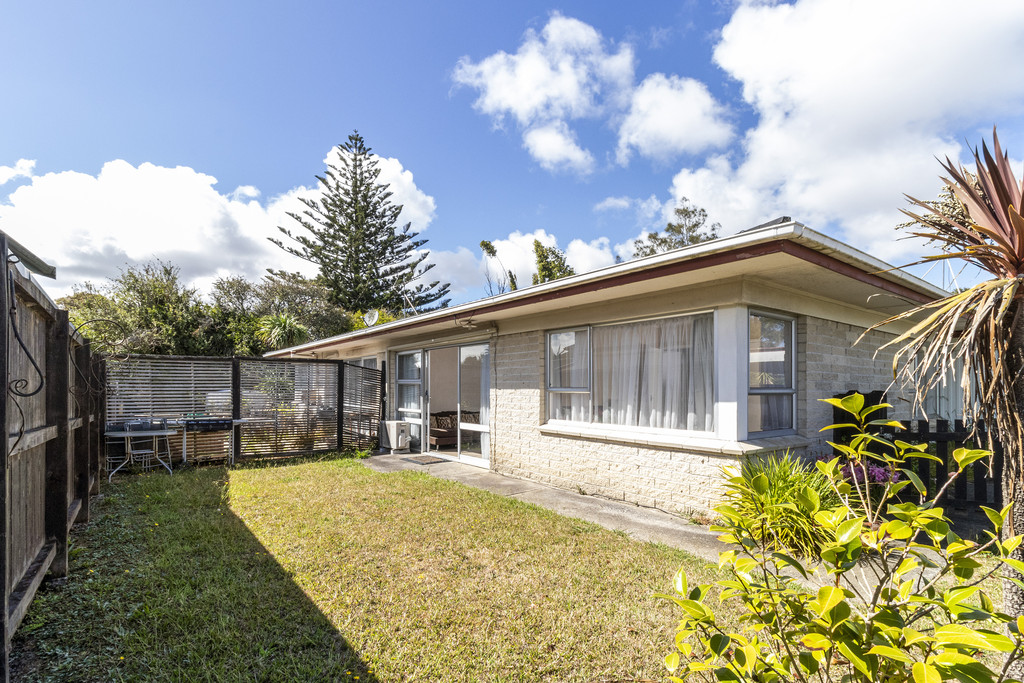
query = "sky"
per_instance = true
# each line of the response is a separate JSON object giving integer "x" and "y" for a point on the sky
{"x": 187, "y": 131}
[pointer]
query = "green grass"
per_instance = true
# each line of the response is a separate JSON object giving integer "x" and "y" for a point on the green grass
{"x": 327, "y": 570}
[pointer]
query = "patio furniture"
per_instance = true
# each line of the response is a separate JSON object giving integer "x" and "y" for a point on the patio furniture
{"x": 141, "y": 444}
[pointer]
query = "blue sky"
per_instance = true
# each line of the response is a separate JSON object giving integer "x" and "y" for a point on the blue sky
{"x": 186, "y": 130}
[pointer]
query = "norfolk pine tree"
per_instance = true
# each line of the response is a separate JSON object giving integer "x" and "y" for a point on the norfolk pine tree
{"x": 351, "y": 233}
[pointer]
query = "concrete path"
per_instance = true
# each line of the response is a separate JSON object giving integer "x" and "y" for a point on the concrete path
{"x": 643, "y": 524}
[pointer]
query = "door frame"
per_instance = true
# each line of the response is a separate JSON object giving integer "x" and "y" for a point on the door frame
{"x": 458, "y": 455}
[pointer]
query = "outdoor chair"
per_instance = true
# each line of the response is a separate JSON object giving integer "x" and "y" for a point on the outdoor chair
{"x": 140, "y": 448}
{"x": 163, "y": 443}
{"x": 115, "y": 451}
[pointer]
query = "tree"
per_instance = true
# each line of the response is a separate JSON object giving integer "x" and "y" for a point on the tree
{"x": 281, "y": 330}
{"x": 278, "y": 293}
{"x": 981, "y": 326}
{"x": 506, "y": 282}
{"x": 551, "y": 264}
{"x": 688, "y": 228}
{"x": 351, "y": 233}
{"x": 147, "y": 309}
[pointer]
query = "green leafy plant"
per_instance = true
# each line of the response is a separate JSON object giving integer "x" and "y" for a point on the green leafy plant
{"x": 777, "y": 491}
{"x": 896, "y": 597}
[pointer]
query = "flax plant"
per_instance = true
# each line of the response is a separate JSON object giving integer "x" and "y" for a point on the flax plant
{"x": 976, "y": 335}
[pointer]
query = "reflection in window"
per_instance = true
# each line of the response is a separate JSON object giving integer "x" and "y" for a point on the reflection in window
{"x": 770, "y": 401}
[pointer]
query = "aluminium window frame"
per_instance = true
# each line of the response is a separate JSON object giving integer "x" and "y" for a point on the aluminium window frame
{"x": 761, "y": 391}
{"x": 589, "y": 389}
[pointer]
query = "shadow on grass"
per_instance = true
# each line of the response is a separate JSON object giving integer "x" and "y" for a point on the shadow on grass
{"x": 167, "y": 583}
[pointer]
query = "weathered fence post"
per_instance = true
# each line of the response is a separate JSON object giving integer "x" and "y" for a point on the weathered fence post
{"x": 236, "y": 410}
{"x": 5, "y": 513}
{"x": 83, "y": 442}
{"x": 98, "y": 459}
{"x": 341, "y": 405}
{"x": 56, "y": 391}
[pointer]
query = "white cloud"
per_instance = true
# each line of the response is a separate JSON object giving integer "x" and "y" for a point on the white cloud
{"x": 90, "y": 226}
{"x": 669, "y": 116}
{"x": 22, "y": 169}
{"x": 554, "y": 147}
{"x": 649, "y": 212}
{"x": 853, "y": 110}
{"x": 560, "y": 73}
{"x": 564, "y": 73}
{"x": 587, "y": 256}
{"x": 461, "y": 268}
{"x": 243, "y": 192}
{"x": 613, "y": 204}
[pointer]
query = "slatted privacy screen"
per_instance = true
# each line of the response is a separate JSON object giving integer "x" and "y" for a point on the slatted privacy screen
{"x": 293, "y": 407}
{"x": 284, "y": 407}
{"x": 143, "y": 387}
{"x": 361, "y": 411}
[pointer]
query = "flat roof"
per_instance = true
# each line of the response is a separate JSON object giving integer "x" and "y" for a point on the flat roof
{"x": 789, "y": 251}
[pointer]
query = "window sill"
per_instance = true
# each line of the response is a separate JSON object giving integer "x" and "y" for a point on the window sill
{"x": 665, "y": 439}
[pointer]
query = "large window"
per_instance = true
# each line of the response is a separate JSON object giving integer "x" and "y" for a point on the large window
{"x": 655, "y": 373}
{"x": 772, "y": 388}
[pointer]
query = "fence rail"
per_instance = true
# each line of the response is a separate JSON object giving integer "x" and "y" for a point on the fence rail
{"x": 52, "y": 408}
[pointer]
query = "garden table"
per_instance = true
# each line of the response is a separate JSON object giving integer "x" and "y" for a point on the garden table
{"x": 141, "y": 433}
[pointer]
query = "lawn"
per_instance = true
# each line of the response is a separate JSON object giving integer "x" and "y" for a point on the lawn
{"x": 326, "y": 570}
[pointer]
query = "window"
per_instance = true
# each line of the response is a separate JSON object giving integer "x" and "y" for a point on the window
{"x": 569, "y": 375}
{"x": 772, "y": 388}
{"x": 655, "y": 373}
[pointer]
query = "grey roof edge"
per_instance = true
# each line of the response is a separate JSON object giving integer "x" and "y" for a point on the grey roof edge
{"x": 772, "y": 231}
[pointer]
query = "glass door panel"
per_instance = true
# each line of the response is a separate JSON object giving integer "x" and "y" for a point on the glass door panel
{"x": 409, "y": 405}
{"x": 474, "y": 400}
{"x": 443, "y": 399}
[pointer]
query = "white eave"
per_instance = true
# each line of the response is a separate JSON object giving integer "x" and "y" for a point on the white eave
{"x": 792, "y": 232}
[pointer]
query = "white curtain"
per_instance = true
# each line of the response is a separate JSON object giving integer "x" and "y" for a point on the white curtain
{"x": 658, "y": 373}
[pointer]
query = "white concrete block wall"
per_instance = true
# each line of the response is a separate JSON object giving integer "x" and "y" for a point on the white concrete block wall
{"x": 670, "y": 479}
{"x": 663, "y": 478}
{"x": 832, "y": 362}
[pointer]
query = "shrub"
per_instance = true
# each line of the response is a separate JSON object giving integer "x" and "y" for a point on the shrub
{"x": 901, "y": 596}
{"x": 770, "y": 490}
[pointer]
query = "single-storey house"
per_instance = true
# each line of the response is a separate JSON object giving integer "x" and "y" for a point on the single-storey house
{"x": 640, "y": 381}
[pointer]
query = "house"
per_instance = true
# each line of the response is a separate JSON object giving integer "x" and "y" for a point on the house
{"x": 641, "y": 380}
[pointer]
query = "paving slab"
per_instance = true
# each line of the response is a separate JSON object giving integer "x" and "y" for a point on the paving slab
{"x": 640, "y": 523}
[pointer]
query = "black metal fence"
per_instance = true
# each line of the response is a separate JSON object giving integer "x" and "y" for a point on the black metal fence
{"x": 242, "y": 408}
{"x": 979, "y": 485}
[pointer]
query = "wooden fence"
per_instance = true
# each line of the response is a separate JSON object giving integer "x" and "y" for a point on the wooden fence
{"x": 979, "y": 485}
{"x": 53, "y": 411}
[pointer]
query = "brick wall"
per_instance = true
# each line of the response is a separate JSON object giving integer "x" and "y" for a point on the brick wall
{"x": 664, "y": 478}
{"x": 829, "y": 363}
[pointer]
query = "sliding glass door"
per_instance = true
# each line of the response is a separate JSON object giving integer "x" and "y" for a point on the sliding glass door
{"x": 409, "y": 377}
{"x": 458, "y": 383}
{"x": 474, "y": 402}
